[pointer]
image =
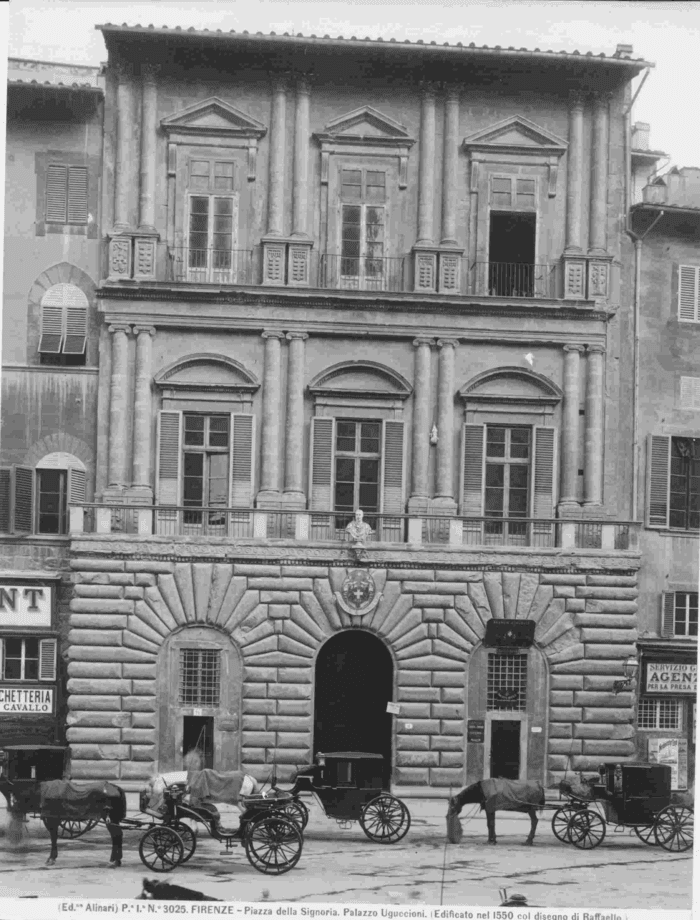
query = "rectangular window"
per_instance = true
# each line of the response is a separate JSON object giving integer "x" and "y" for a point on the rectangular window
{"x": 690, "y": 393}
{"x": 659, "y": 713}
{"x": 689, "y": 293}
{"x": 205, "y": 467}
{"x": 363, "y": 229}
{"x": 52, "y": 510}
{"x": 200, "y": 677}
{"x": 20, "y": 659}
{"x": 507, "y": 490}
{"x": 211, "y": 228}
{"x": 685, "y": 613}
{"x": 501, "y": 192}
{"x": 66, "y": 194}
{"x": 357, "y": 461}
{"x": 506, "y": 685}
{"x": 684, "y": 485}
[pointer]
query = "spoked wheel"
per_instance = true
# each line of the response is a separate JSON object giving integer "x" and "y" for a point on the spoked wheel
{"x": 586, "y": 829}
{"x": 647, "y": 834}
{"x": 161, "y": 849}
{"x": 385, "y": 819}
{"x": 189, "y": 839}
{"x": 560, "y": 822}
{"x": 674, "y": 828}
{"x": 297, "y": 812}
{"x": 273, "y": 845}
{"x": 69, "y": 829}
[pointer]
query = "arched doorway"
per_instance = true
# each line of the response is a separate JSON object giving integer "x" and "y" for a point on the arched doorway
{"x": 354, "y": 682}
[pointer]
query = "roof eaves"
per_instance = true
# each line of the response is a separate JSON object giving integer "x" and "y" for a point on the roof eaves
{"x": 47, "y": 84}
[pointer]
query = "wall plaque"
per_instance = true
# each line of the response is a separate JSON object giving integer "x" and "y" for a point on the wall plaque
{"x": 475, "y": 731}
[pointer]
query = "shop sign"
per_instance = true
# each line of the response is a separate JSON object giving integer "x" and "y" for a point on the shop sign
{"x": 475, "y": 731}
{"x": 674, "y": 752}
{"x": 670, "y": 677}
{"x": 15, "y": 700}
{"x": 25, "y": 605}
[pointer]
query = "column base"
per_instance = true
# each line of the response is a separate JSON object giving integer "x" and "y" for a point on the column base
{"x": 138, "y": 495}
{"x": 114, "y": 495}
{"x": 294, "y": 501}
{"x": 269, "y": 499}
{"x": 442, "y": 504}
{"x": 418, "y": 504}
{"x": 568, "y": 508}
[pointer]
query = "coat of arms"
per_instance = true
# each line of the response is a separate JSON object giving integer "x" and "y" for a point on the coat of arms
{"x": 358, "y": 594}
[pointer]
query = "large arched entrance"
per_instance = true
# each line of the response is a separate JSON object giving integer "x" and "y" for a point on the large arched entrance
{"x": 354, "y": 682}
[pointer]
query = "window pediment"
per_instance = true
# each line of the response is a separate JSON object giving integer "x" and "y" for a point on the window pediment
{"x": 204, "y": 373}
{"x": 362, "y": 380}
{"x": 511, "y": 384}
{"x": 212, "y": 118}
{"x": 517, "y": 135}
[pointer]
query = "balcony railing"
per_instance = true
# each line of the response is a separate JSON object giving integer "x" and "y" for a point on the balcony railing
{"x": 512, "y": 279}
{"x": 210, "y": 266}
{"x": 330, "y": 526}
{"x": 362, "y": 274}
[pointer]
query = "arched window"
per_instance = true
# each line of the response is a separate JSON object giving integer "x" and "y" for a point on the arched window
{"x": 64, "y": 309}
{"x": 37, "y": 500}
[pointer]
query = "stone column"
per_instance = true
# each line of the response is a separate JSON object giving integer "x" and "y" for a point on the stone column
{"x": 450, "y": 160}
{"x": 118, "y": 407}
{"x": 294, "y": 422}
{"x": 300, "y": 204}
{"x": 574, "y": 174}
{"x": 418, "y": 501}
{"x": 269, "y": 479}
{"x": 125, "y": 154}
{"x": 570, "y": 429}
{"x": 444, "y": 492}
{"x": 147, "y": 199}
{"x": 275, "y": 203}
{"x": 593, "y": 444}
{"x": 426, "y": 174}
{"x": 597, "y": 236}
{"x": 140, "y": 478}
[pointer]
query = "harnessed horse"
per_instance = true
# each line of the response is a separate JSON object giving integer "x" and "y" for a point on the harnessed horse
{"x": 501, "y": 795}
{"x": 61, "y": 800}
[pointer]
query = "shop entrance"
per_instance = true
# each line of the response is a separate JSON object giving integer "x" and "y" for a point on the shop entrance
{"x": 354, "y": 682}
{"x": 198, "y": 735}
{"x": 505, "y": 749}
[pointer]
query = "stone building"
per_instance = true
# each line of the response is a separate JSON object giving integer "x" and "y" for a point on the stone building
{"x": 49, "y": 377}
{"x": 346, "y": 274}
{"x": 665, "y": 225}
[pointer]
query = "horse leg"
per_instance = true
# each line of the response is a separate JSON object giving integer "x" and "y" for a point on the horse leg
{"x": 52, "y": 828}
{"x": 533, "y": 827}
{"x": 491, "y": 825}
{"x": 117, "y": 835}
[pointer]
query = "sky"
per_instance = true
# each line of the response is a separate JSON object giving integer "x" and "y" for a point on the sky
{"x": 666, "y": 33}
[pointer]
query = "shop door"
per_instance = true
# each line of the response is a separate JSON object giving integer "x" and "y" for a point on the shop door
{"x": 354, "y": 682}
{"x": 505, "y": 749}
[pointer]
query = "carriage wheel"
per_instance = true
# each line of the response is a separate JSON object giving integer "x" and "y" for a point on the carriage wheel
{"x": 586, "y": 829}
{"x": 189, "y": 840}
{"x": 674, "y": 828}
{"x": 161, "y": 849}
{"x": 385, "y": 819}
{"x": 70, "y": 829}
{"x": 560, "y": 822}
{"x": 273, "y": 845}
{"x": 297, "y": 812}
{"x": 647, "y": 834}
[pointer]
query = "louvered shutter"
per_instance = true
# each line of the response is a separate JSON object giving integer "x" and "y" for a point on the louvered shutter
{"x": 5, "y": 499}
{"x": 321, "y": 473}
{"x": 667, "y": 613}
{"x": 168, "y": 467}
{"x": 51, "y": 340}
{"x": 47, "y": 659}
{"x": 76, "y": 331}
{"x": 242, "y": 459}
{"x": 56, "y": 194}
{"x": 77, "y": 481}
{"x": 473, "y": 447}
{"x": 392, "y": 497}
{"x": 658, "y": 479}
{"x": 688, "y": 294}
{"x": 77, "y": 195}
{"x": 23, "y": 499}
{"x": 543, "y": 482}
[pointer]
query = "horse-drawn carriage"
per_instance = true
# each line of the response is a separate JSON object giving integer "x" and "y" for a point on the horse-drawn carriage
{"x": 351, "y": 786}
{"x": 634, "y": 796}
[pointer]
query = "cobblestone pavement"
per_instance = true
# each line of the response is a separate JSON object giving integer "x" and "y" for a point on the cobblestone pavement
{"x": 342, "y": 865}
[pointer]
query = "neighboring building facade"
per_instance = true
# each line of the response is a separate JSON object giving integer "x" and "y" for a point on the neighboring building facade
{"x": 667, "y": 225}
{"x": 49, "y": 377}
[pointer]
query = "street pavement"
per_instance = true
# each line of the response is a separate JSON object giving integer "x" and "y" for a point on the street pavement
{"x": 340, "y": 864}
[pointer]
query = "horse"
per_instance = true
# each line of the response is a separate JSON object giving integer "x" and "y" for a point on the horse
{"x": 61, "y": 801}
{"x": 501, "y": 795}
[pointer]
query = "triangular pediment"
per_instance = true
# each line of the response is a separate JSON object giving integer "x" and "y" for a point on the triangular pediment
{"x": 516, "y": 133}
{"x": 213, "y": 116}
{"x": 366, "y": 122}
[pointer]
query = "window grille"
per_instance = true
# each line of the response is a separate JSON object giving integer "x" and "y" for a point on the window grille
{"x": 200, "y": 671}
{"x": 507, "y": 681}
{"x": 658, "y": 713}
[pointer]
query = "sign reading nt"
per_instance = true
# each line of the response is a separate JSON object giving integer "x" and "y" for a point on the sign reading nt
{"x": 25, "y": 605}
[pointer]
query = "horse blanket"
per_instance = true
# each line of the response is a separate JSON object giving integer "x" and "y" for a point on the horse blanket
{"x": 511, "y": 795}
{"x": 152, "y": 798}
{"x": 63, "y": 800}
{"x": 208, "y": 786}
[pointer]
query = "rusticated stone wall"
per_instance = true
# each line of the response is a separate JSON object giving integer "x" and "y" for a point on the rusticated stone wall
{"x": 277, "y": 604}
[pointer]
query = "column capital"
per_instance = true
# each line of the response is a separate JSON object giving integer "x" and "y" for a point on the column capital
{"x": 119, "y": 327}
{"x": 453, "y": 343}
{"x": 279, "y": 82}
{"x": 303, "y": 85}
{"x": 123, "y": 69}
{"x": 595, "y": 349}
{"x": 572, "y": 348}
{"x": 423, "y": 340}
{"x": 150, "y": 330}
{"x": 149, "y": 72}
{"x": 427, "y": 92}
{"x": 601, "y": 98}
{"x": 290, "y": 336}
{"x": 576, "y": 98}
{"x": 272, "y": 334}
{"x": 452, "y": 92}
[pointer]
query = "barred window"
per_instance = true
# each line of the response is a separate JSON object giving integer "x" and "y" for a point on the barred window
{"x": 199, "y": 676}
{"x": 658, "y": 713}
{"x": 507, "y": 681}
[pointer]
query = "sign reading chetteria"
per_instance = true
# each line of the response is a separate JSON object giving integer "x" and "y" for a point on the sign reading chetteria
{"x": 26, "y": 699}
{"x": 668, "y": 677}
{"x": 25, "y": 605}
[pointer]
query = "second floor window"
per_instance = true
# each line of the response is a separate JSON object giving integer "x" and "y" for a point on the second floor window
{"x": 673, "y": 482}
{"x": 212, "y": 217}
{"x": 507, "y": 493}
{"x": 689, "y": 293}
{"x": 38, "y": 500}
{"x": 27, "y": 659}
{"x": 64, "y": 309}
{"x": 206, "y": 465}
{"x": 66, "y": 194}
{"x": 363, "y": 227}
{"x": 357, "y": 457}
{"x": 679, "y": 614}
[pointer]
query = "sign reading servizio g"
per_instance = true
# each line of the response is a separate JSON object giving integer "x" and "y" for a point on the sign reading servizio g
{"x": 25, "y": 605}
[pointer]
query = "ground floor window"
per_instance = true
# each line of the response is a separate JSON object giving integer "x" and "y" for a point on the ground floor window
{"x": 200, "y": 671}
{"x": 506, "y": 687}
{"x": 658, "y": 713}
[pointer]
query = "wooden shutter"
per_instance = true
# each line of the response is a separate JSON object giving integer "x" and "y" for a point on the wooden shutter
{"x": 77, "y": 195}
{"x": 76, "y": 331}
{"x": 321, "y": 472}
{"x": 392, "y": 494}
{"x": 473, "y": 447}
{"x": 667, "y": 613}
{"x": 169, "y": 460}
{"x": 47, "y": 659}
{"x": 543, "y": 477}
{"x": 688, "y": 294}
{"x": 77, "y": 481}
{"x": 5, "y": 499}
{"x": 658, "y": 479}
{"x": 242, "y": 460}
{"x": 51, "y": 340}
{"x": 56, "y": 194}
{"x": 23, "y": 499}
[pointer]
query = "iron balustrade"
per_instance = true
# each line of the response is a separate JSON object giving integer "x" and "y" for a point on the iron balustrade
{"x": 210, "y": 266}
{"x": 512, "y": 279}
{"x": 363, "y": 273}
